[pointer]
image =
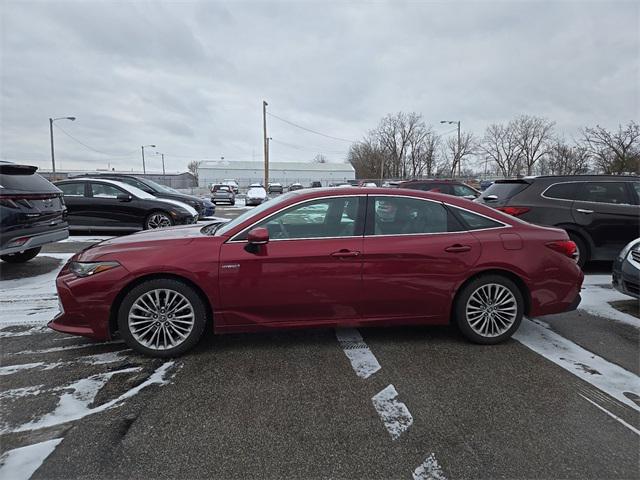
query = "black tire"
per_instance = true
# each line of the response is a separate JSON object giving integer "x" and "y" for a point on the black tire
{"x": 460, "y": 309}
{"x": 152, "y": 215}
{"x": 21, "y": 257}
{"x": 188, "y": 292}
{"x": 584, "y": 254}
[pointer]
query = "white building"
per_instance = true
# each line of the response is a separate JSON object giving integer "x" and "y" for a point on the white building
{"x": 285, "y": 173}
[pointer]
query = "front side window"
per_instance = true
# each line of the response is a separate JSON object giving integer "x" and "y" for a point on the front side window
{"x": 101, "y": 190}
{"x": 604, "y": 192}
{"x": 409, "y": 216}
{"x": 322, "y": 218}
{"x": 72, "y": 189}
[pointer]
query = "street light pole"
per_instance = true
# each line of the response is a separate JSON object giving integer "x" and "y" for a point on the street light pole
{"x": 266, "y": 143}
{"x": 459, "y": 158}
{"x": 53, "y": 156}
{"x": 456, "y": 159}
{"x": 144, "y": 168}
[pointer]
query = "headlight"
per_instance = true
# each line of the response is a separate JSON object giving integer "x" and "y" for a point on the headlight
{"x": 85, "y": 269}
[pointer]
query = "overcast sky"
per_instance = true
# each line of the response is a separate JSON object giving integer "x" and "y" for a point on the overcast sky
{"x": 191, "y": 76}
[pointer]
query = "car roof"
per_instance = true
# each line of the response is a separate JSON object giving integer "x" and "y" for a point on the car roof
{"x": 122, "y": 185}
{"x": 551, "y": 178}
{"x": 432, "y": 180}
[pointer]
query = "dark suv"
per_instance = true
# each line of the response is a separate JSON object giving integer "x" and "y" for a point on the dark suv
{"x": 450, "y": 187}
{"x": 32, "y": 213}
{"x": 160, "y": 191}
{"x": 601, "y": 213}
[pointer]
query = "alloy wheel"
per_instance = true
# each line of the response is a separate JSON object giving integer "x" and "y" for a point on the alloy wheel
{"x": 158, "y": 220}
{"x": 491, "y": 310}
{"x": 161, "y": 319}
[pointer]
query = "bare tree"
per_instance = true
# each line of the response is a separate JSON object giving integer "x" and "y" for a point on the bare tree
{"x": 394, "y": 134}
{"x": 194, "y": 167}
{"x": 320, "y": 158}
{"x": 614, "y": 152}
{"x": 454, "y": 155}
{"x": 564, "y": 159}
{"x": 422, "y": 154}
{"x": 367, "y": 157}
{"x": 534, "y": 136}
{"x": 500, "y": 146}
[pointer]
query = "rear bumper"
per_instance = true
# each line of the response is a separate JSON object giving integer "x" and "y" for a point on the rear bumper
{"x": 37, "y": 240}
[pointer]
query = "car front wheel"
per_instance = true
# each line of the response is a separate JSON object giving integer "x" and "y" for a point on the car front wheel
{"x": 157, "y": 220}
{"x": 21, "y": 257}
{"x": 162, "y": 318}
{"x": 489, "y": 309}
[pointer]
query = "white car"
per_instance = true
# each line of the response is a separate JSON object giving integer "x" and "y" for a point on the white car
{"x": 255, "y": 195}
{"x": 231, "y": 183}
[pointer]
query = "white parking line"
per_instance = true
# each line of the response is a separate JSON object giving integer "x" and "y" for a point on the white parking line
{"x": 363, "y": 361}
{"x": 21, "y": 463}
{"x": 597, "y": 371}
{"x": 615, "y": 417}
{"x": 394, "y": 414}
{"x": 430, "y": 469}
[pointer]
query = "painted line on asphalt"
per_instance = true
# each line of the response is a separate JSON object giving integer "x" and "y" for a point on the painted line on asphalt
{"x": 362, "y": 359}
{"x": 615, "y": 417}
{"x": 20, "y": 463}
{"x": 604, "y": 375}
{"x": 394, "y": 414}
{"x": 430, "y": 469}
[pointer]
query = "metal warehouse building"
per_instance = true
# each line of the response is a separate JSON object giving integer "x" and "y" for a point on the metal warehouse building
{"x": 285, "y": 173}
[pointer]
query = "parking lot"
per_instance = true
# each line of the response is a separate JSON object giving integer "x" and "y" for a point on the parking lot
{"x": 560, "y": 400}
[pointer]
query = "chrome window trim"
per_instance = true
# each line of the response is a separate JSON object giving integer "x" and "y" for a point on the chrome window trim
{"x": 233, "y": 239}
{"x": 542, "y": 194}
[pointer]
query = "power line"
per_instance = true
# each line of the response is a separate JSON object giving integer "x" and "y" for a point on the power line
{"x": 309, "y": 130}
{"x": 91, "y": 148}
{"x": 308, "y": 149}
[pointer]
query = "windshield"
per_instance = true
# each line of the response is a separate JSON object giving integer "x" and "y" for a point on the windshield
{"x": 160, "y": 187}
{"x": 253, "y": 212}
{"x": 135, "y": 191}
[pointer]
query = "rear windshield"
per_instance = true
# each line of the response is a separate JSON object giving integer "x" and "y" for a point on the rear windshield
{"x": 30, "y": 183}
{"x": 504, "y": 191}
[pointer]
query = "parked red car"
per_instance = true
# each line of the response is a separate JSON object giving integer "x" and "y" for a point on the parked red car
{"x": 322, "y": 258}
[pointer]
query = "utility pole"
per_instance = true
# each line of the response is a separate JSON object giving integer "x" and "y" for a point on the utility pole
{"x": 456, "y": 158}
{"x": 144, "y": 168}
{"x": 162, "y": 155}
{"x": 459, "y": 158}
{"x": 53, "y": 157}
{"x": 266, "y": 143}
{"x": 381, "y": 169}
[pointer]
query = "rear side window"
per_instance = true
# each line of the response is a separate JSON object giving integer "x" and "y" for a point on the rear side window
{"x": 604, "y": 192}
{"x": 409, "y": 216}
{"x": 473, "y": 221}
{"x": 72, "y": 189}
{"x": 562, "y": 191}
{"x": 463, "y": 191}
{"x": 504, "y": 191}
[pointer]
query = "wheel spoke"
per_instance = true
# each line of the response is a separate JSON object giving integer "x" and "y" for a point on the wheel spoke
{"x": 491, "y": 310}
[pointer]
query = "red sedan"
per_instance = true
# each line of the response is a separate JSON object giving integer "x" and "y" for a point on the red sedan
{"x": 322, "y": 258}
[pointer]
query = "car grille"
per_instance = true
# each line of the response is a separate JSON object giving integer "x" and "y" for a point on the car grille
{"x": 632, "y": 287}
{"x": 635, "y": 254}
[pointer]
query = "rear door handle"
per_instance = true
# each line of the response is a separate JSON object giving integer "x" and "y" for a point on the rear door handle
{"x": 582, "y": 210}
{"x": 345, "y": 253}
{"x": 457, "y": 248}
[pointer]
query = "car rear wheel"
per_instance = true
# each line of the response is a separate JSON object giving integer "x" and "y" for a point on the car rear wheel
{"x": 157, "y": 220}
{"x": 582, "y": 250}
{"x": 489, "y": 309}
{"x": 162, "y": 318}
{"x": 21, "y": 257}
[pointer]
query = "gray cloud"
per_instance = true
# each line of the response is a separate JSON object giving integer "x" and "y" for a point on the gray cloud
{"x": 190, "y": 77}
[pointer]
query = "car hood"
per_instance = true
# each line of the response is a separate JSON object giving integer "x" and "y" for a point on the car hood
{"x": 142, "y": 242}
{"x": 177, "y": 203}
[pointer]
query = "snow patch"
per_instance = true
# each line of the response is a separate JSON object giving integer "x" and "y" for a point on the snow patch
{"x": 21, "y": 392}
{"x": 595, "y": 300}
{"x": 362, "y": 360}
{"x": 430, "y": 469}
{"x": 606, "y": 376}
{"x": 394, "y": 414}
{"x": 21, "y": 463}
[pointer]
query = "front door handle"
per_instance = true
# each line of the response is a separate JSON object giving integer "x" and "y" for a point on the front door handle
{"x": 345, "y": 253}
{"x": 582, "y": 210}
{"x": 457, "y": 248}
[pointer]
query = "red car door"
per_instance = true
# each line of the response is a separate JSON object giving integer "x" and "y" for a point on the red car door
{"x": 415, "y": 254}
{"x": 309, "y": 273}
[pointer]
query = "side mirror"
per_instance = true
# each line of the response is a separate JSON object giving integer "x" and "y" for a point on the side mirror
{"x": 258, "y": 236}
{"x": 123, "y": 197}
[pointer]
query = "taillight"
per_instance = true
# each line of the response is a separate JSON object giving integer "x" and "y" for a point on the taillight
{"x": 565, "y": 247}
{"x": 515, "y": 211}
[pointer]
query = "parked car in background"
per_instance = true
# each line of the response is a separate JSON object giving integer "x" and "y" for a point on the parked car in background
{"x": 369, "y": 184}
{"x": 276, "y": 188}
{"x": 626, "y": 270}
{"x": 449, "y": 187}
{"x": 322, "y": 258}
{"x": 32, "y": 213}
{"x": 231, "y": 183}
{"x": 315, "y": 184}
{"x": 222, "y": 194}
{"x": 104, "y": 204}
{"x": 295, "y": 186}
{"x": 209, "y": 208}
{"x": 601, "y": 213}
{"x": 255, "y": 195}
{"x": 484, "y": 184}
{"x": 157, "y": 190}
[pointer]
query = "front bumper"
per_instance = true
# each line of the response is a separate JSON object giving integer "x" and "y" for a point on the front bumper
{"x": 38, "y": 240}
{"x": 625, "y": 279}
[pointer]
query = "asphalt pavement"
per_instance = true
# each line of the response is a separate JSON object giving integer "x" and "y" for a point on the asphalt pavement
{"x": 559, "y": 401}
